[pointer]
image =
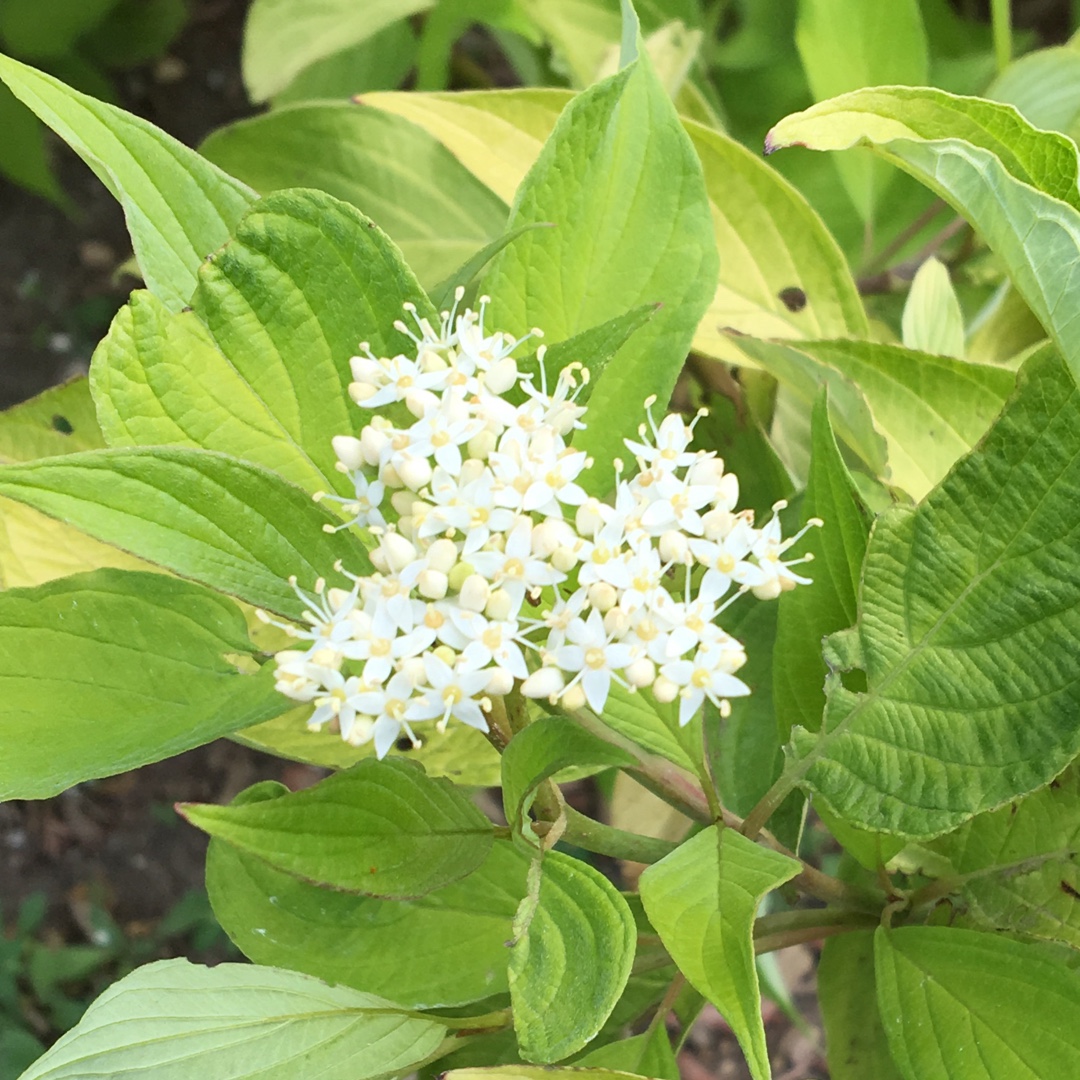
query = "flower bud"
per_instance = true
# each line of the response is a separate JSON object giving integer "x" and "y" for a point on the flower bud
{"x": 413, "y": 669}
{"x": 674, "y": 547}
{"x": 564, "y": 559}
{"x": 361, "y": 391}
{"x": 588, "y": 518}
{"x": 574, "y": 698}
{"x": 616, "y": 622}
{"x": 603, "y": 596}
{"x": 475, "y": 591}
{"x": 664, "y": 690}
{"x": 459, "y": 574}
{"x": 718, "y": 523}
{"x": 379, "y": 561}
{"x": 545, "y": 683}
{"x": 640, "y": 672}
{"x": 398, "y": 551}
{"x": 445, "y": 654}
{"x": 550, "y": 535}
{"x": 500, "y": 683}
{"x": 471, "y": 469}
{"x": 349, "y": 450}
{"x": 414, "y": 471}
{"x": 430, "y": 361}
{"x": 372, "y": 444}
{"x": 706, "y": 471}
{"x": 500, "y": 605}
{"x": 769, "y": 589}
{"x": 481, "y": 445}
{"x": 432, "y": 584}
{"x": 442, "y": 555}
{"x": 502, "y": 375}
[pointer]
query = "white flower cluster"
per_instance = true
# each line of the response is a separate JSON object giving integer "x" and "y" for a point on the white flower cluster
{"x": 493, "y": 564}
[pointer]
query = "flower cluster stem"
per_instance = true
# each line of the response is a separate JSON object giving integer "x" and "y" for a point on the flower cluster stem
{"x": 604, "y": 839}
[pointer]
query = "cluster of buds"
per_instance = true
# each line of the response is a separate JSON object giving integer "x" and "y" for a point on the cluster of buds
{"x": 495, "y": 566}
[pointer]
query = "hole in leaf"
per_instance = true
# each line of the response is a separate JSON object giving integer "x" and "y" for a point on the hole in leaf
{"x": 62, "y": 424}
{"x": 854, "y": 680}
{"x": 793, "y": 298}
{"x": 404, "y": 743}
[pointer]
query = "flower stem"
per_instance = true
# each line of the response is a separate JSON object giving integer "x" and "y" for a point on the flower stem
{"x": 778, "y": 931}
{"x": 616, "y": 843}
{"x": 767, "y": 806}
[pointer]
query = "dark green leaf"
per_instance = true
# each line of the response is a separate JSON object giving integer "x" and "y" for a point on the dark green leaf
{"x": 969, "y": 609}
{"x": 808, "y": 614}
{"x": 974, "y": 1006}
{"x": 382, "y": 828}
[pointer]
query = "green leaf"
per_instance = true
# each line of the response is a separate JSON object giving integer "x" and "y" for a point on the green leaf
{"x": 620, "y": 180}
{"x": 944, "y": 993}
{"x": 781, "y": 272}
{"x": 1018, "y": 868}
{"x": 1045, "y": 86}
{"x": 172, "y": 1019}
{"x": 844, "y": 45}
{"x": 594, "y": 349}
{"x": 382, "y": 828}
{"x": 854, "y": 1035}
{"x": 455, "y": 937}
{"x": 179, "y": 208}
{"x": 968, "y": 610}
{"x": 703, "y": 899}
{"x": 746, "y": 749}
{"x": 461, "y": 753}
{"x": 429, "y": 204}
{"x": 647, "y": 1054}
{"x": 160, "y": 379}
{"x": 569, "y": 968}
{"x": 35, "y": 548}
{"x": 537, "y": 753}
{"x": 808, "y": 614}
{"x": 134, "y": 32}
{"x": 538, "y": 1072}
{"x": 496, "y": 135}
{"x": 23, "y": 155}
{"x": 304, "y": 280}
{"x": 59, "y": 421}
{"x": 932, "y": 319}
{"x": 736, "y": 437}
{"x": 113, "y": 670}
{"x": 638, "y": 717}
{"x": 281, "y": 37}
{"x": 1016, "y": 185}
{"x": 208, "y": 517}
{"x": 44, "y": 29}
{"x": 930, "y": 409}
{"x": 380, "y": 62}
{"x": 804, "y": 377}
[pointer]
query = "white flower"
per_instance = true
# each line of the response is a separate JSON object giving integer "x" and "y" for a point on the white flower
{"x": 594, "y": 657}
{"x": 451, "y": 692}
{"x": 469, "y": 503}
{"x": 702, "y": 677}
{"x": 516, "y": 568}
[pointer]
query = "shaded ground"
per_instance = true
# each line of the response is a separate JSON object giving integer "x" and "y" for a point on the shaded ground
{"x": 58, "y": 282}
